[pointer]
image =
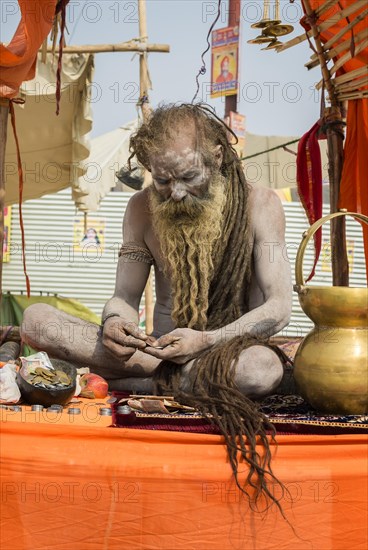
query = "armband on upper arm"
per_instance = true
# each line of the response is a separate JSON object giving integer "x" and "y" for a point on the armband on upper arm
{"x": 132, "y": 252}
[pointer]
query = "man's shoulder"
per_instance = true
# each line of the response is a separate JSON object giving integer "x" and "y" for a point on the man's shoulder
{"x": 263, "y": 199}
{"x": 137, "y": 215}
{"x": 139, "y": 201}
{"x": 265, "y": 208}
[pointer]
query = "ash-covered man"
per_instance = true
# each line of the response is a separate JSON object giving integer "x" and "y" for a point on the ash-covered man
{"x": 216, "y": 245}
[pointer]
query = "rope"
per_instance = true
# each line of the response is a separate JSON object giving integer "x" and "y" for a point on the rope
{"x": 272, "y": 149}
{"x": 21, "y": 183}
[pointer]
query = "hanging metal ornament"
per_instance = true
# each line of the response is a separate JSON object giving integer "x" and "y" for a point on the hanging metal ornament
{"x": 265, "y": 21}
{"x": 275, "y": 29}
{"x": 274, "y": 44}
{"x": 278, "y": 30}
{"x": 261, "y": 39}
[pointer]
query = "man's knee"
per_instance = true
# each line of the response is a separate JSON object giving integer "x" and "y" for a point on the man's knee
{"x": 34, "y": 319}
{"x": 258, "y": 372}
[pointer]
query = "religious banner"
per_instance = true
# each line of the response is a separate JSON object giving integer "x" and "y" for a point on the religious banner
{"x": 237, "y": 124}
{"x": 91, "y": 238}
{"x": 225, "y": 51}
{"x": 7, "y": 227}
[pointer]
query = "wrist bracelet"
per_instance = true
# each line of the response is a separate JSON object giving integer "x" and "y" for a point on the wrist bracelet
{"x": 108, "y": 316}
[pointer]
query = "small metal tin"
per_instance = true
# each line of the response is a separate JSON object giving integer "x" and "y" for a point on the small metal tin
{"x": 53, "y": 410}
{"x": 37, "y": 407}
{"x": 124, "y": 409}
{"x": 56, "y": 407}
{"x": 16, "y": 408}
{"x": 105, "y": 411}
{"x": 74, "y": 410}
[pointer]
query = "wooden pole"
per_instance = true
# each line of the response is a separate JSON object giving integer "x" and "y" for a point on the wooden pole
{"x": 144, "y": 85}
{"x": 335, "y": 139}
{"x": 131, "y": 46}
{"x": 231, "y": 101}
{"x": 4, "y": 111}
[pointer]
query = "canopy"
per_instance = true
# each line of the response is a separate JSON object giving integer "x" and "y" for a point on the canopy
{"x": 52, "y": 147}
{"x": 109, "y": 152}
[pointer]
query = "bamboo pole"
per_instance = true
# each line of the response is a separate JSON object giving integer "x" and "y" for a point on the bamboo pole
{"x": 338, "y": 16}
{"x": 4, "y": 111}
{"x": 293, "y": 42}
{"x": 355, "y": 84}
{"x": 326, "y": 6}
{"x": 342, "y": 60}
{"x": 347, "y": 77}
{"x": 357, "y": 95}
{"x": 344, "y": 46}
{"x": 130, "y": 46}
{"x": 332, "y": 117}
{"x": 327, "y": 24}
{"x": 345, "y": 29}
{"x": 144, "y": 85}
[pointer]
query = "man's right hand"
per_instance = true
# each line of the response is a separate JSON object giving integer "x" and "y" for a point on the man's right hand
{"x": 122, "y": 338}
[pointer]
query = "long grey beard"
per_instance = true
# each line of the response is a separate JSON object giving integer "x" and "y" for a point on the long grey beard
{"x": 188, "y": 231}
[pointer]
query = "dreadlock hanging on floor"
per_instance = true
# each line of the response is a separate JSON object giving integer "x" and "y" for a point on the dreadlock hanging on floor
{"x": 210, "y": 285}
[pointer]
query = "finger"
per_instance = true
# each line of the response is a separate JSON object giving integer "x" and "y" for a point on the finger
{"x": 117, "y": 350}
{"x": 135, "y": 331}
{"x": 117, "y": 334}
{"x": 130, "y": 341}
{"x": 166, "y": 340}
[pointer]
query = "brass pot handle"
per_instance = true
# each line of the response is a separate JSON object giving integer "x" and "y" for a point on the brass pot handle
{"x": 299, "y": 279}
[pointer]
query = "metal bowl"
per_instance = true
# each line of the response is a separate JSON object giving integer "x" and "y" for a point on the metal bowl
{"x": 35, "y": 395}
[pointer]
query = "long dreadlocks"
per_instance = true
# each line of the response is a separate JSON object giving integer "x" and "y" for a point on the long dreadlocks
{"x": 213, "y": 390}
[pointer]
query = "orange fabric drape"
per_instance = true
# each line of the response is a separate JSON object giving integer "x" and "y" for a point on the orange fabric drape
{"x": 354, "y": 180}
{"x": 78, "y": 485}
{"x": 18, "y": 58}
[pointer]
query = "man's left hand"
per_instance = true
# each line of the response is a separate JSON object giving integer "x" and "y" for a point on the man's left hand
{"x": 180, "y": 346}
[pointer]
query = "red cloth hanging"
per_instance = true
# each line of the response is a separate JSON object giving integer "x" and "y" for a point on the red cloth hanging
{"x": 309, "y": 180}
{"x": 354, "y": 180}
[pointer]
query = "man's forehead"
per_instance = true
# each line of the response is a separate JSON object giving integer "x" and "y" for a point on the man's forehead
{"x": 177, "y": 153}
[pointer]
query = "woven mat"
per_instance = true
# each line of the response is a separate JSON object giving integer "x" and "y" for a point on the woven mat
{"x": 288, "y": 413}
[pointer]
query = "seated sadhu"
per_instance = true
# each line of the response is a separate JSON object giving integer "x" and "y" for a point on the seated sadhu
{"x": 223, "y": 282}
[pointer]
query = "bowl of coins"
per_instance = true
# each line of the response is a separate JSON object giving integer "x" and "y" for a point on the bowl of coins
{"x": 48, "y": 386}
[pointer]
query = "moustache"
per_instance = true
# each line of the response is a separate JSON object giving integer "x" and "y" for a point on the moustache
{"x": 189, "y": 208}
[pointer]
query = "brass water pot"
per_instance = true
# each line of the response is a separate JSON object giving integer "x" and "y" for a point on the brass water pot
{"x": 331, "y": 364}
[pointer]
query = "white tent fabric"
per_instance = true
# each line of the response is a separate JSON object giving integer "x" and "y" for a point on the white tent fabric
{"x": 52, "y": 147}
{"x": 275, "y": 169}
{"x": 109, "y": 152}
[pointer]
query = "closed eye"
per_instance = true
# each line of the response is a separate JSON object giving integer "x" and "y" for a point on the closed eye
{"x": 162, "y": 181}
{"x": 190, "y": 177}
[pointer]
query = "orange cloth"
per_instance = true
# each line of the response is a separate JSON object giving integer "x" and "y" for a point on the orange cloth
{"x": 85, "y": 487}
{"x": 18, "y": 59}
{"x": 354, "y": 179}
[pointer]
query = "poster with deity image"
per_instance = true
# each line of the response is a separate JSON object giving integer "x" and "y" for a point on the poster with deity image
{"x": 225, "y": 52}
{"x": 91, "y": 238}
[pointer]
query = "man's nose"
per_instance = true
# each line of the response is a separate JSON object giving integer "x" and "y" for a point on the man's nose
{"x": 178, "y": 192}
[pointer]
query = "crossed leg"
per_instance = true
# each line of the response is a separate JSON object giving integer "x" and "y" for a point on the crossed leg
{"x": 258, "y": 373}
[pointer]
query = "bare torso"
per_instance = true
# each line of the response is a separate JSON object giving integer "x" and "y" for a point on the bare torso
{"x": 163, "y": 323}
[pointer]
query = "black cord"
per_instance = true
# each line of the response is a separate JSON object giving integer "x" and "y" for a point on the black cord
{"x": 203, "y": 69}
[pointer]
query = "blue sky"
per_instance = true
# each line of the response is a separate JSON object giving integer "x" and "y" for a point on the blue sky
{"x": 276, "y": 90}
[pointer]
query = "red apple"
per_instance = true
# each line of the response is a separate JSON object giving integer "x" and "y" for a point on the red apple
{"x": 93, "y": 386}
